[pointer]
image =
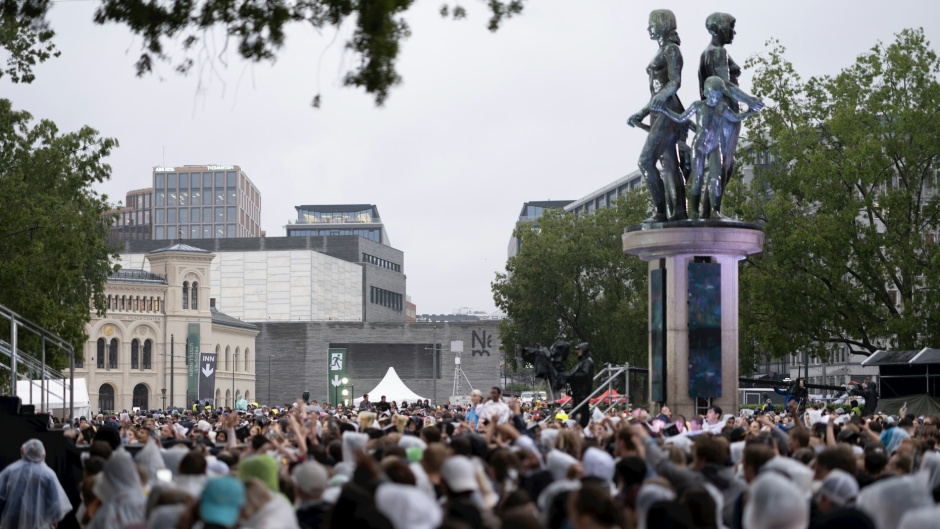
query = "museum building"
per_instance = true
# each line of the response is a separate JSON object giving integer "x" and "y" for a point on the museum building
{"x": 136, "y": 354}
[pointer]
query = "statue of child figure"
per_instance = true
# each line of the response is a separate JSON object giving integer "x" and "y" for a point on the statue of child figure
{"x": 712, "y": 116}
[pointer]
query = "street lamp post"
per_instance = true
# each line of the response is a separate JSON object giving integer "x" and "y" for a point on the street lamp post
{"x": 269, "y": 378}
{"x": 234, "y": 367}
{"x": 163, "y": 390}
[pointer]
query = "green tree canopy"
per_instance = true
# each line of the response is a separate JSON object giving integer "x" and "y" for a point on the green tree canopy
{"x": 256, "y": 27}
{"x": 849, "y": 202}
{"x": 572, "y": 281}
{"x": 54, "y": 256}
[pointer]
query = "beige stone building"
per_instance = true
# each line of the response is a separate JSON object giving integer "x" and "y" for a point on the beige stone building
{"x": 136, "y": 355}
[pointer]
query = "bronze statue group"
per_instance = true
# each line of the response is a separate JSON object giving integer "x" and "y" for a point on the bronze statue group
{"x": 664, "y": 160}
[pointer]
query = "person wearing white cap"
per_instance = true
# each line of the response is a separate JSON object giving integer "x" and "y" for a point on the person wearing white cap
{"x": 460, "y": 484}
{"x": 310, "y": 480}
{"x": 839, "y": 489}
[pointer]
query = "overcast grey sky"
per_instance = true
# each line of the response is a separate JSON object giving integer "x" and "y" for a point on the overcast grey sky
{"x": 482, "y": 122}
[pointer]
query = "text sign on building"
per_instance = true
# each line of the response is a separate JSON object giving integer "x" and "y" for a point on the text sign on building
{"x": 336, "y": 373}
{"x": 207, "y": 363}
{"x": 192, "y": 364}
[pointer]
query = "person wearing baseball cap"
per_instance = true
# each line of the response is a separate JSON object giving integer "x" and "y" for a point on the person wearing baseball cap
{"x": 221, "y": 502}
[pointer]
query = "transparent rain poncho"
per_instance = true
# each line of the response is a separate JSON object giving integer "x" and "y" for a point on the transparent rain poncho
{"x": 920, "y": 519}
{"x": 775, "y": 502}
{"x": 887, "y": 500}
{"x": 30, "y": 493}
{"x": 120, "y": 492}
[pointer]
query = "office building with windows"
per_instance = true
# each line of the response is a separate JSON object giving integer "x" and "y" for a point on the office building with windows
{"x": 135, "y": 356}
{"x": 530, "y": 214}
{"x": 132, "y": 222}
{"x": 204, "y": 202}
{"x": 338, "y": 219}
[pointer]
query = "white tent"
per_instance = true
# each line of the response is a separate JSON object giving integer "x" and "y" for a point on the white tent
{"x": 393, "y": 388}
{"x": 56, "y": 396}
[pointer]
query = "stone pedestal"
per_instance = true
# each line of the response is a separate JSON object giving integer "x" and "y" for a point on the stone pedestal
{"x": 673, "y": 246}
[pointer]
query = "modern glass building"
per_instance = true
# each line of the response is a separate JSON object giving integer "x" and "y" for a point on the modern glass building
{"x": 133, "y": 220}
{"x": 204, "y": 202}
{"x": 338, "y": 219}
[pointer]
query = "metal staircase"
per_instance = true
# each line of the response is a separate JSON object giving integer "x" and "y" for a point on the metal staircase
{"x": 22, "y": 365}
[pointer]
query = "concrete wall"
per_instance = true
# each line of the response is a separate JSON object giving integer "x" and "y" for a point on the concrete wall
{"x": 293, "y": 356}
{"x": 293, "y": 278}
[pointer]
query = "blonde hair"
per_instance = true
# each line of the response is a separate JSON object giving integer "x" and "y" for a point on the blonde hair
{"x": 400, "y": 421}
{"x": 366, "y": 420}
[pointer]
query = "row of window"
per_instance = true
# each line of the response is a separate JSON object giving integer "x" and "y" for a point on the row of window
{"x": 311, "y": 217}
{"x": 141, "y": 397}
{"x": 195, "y": 296}
{"x": 196, "y": 197}
{"x": 372, "y": 235}
{"x": 223, "y": 361}
{"x": 108, "y": 354}
{"x": 206, "y": 215}
{"x": 386, "y": 298}
{"x": 378, "y": 261}
{"x": 206, "y": 231}
{"x": 133, "y": 303}
{"x": 607, "y": 198}
{"x": 193, "y": 180}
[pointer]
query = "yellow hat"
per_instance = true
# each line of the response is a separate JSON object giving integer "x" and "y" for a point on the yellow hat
{"x": 561, "y": 416}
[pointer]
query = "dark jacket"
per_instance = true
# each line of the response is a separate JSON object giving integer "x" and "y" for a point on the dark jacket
{"x": 581, "y": 377}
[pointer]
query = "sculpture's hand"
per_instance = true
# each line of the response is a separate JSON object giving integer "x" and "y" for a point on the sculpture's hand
{"x": 659, "y": 100}
{"x": 755, "y": 105}
{"x": 635, "y": 120}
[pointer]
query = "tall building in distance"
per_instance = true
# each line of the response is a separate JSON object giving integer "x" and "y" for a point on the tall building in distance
{"x": 531, "y": 211}
{"x": 133, "y": 220}
{"x": 204, "y": 202}
{"x": 327, "y": 220}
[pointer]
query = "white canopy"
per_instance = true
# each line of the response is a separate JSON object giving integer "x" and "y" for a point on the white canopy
{"x": 393, "y": 388}
{"x": 56, "y": 395}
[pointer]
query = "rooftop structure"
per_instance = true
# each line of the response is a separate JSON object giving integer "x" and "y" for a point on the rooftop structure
{"x": 328, "y": 220}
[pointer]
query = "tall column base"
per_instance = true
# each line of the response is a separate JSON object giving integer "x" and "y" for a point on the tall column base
{"x": 707, "y": 251}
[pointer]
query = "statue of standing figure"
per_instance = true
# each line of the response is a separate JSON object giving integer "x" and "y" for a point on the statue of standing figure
{"x": 715, "y": 61}
{"x": 714, "y": 149}
{"x": 667, "y": 189}
{"x": 714, "y": 121}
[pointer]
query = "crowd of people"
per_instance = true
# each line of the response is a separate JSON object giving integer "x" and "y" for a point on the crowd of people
{"x": 488, "y": 464}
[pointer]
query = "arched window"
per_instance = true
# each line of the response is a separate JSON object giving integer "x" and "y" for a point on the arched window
{"x": 247, "y": 365}
{"x": 150, "y": 304}
{"x": 113, "y": 354}
{"x": 237, "y": 356}
{"x": 195, "y": 304}
{"x": 106, "y": 398}
{"x": 219, "y": 360}
{"x": 218, "y": 397}
{"x": 100, "y": 360}
{"x": 247, "y": 397}
{"x": 148, "y": 354}
{"x": 135, "y": 354}
{"x": 156, "y": 306}
{"x": 140, "y": 397}
{"x": 136, "y": 303}
{"x": 228, "y": 398}
{"x": 185, "y": 294}
{"x": 238, "y": 396}
{"x": 122, "y": 302}
{"x": 228, "y": 356}
{"x": 109, "y": 303}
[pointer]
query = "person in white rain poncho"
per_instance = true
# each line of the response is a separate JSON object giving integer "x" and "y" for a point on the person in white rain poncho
{"x": 30, "y": 493}
{"x": 120, "y": 492}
